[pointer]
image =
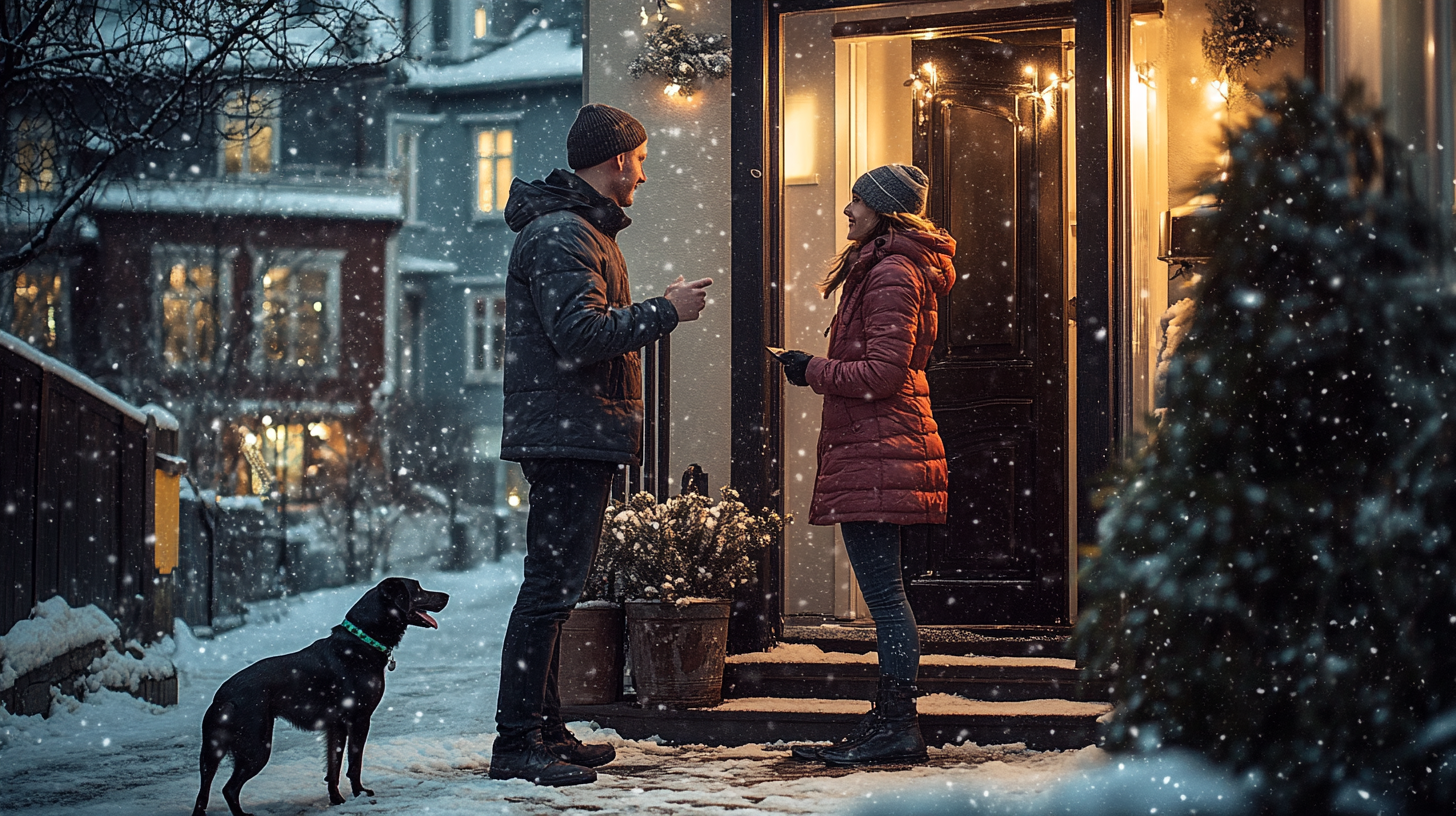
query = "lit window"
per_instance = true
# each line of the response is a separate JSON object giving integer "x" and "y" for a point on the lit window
{"x": 249, "y": 133}
{"x": 191, "y": 282}
{"x": 35, "y": 156}
{"x": 493, "y": 172}
{"x": 303, "y": 459}
{"x": 298, "y": 312}
{"x": 482, "y": 22}
{"x": 37, "y": 312}
{"x": 485, "y": 337}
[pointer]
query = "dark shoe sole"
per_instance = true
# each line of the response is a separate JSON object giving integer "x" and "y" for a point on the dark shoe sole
{"x": 807, "y": 753}
{"x": 900, "y": 759}
{"x": 549, "y": 780}
{"x": 588, "y": 762}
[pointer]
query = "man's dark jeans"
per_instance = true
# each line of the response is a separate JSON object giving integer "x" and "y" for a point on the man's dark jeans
{"x": 568, "y": 501}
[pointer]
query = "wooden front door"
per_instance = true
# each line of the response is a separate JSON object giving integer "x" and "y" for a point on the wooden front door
{"x": 992, "y": 147}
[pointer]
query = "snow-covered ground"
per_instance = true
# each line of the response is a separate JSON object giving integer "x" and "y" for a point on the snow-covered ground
{"x": 430, "y": 741}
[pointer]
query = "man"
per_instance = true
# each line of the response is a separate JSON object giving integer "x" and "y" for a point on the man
{"x": 573, "y": 414}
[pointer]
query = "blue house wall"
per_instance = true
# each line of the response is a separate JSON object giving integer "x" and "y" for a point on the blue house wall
{"x": 452, "y": 257}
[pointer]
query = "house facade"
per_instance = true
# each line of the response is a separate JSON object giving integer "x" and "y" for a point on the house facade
{"x": 242, "y": 279}
{"x": 313, "y": 286}
{"x": 1066, "y": 143}
{"x": 491, "y": 92}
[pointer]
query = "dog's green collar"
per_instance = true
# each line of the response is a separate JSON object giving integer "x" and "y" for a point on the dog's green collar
{"x": 359, "y": 633}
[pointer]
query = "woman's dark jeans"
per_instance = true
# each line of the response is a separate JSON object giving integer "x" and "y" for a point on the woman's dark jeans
{"x": 874, "y": 551}
{"x": 568, "y": 502}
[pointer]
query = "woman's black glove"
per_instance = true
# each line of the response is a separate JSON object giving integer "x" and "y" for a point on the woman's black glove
{"x": 796, "y": 366}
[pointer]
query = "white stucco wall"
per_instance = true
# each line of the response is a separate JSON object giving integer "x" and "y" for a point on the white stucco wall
{"x": 681, "y": 217}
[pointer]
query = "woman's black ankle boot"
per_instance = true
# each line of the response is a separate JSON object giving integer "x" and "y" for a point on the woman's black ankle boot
{"x": 895, "y": 735}
{"x": 865, "y": 727}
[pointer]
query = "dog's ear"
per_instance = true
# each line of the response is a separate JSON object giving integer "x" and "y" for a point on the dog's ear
{"x": 396, "y": 591}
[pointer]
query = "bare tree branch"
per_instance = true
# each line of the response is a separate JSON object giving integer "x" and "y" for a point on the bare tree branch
{"x": 84, "y": 84}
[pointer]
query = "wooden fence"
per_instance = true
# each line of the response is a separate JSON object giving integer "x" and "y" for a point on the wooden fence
{"x": 88, "y": 496}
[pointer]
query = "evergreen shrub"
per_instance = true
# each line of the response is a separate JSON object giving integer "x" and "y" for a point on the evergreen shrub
{"x": 1275, "y": 588}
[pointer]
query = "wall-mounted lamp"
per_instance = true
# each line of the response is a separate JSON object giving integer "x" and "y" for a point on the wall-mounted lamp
{"x": 925, "y": 82}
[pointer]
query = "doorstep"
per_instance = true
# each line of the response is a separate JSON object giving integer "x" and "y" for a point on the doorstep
{"x": 804, "y": 670}
{"x": 944, "y": 719}
{"x": 1007, "y": 641}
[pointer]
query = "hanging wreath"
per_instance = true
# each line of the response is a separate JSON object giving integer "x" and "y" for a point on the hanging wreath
{"x": 1239, "y": 38}
{"x": 682, "y": 58}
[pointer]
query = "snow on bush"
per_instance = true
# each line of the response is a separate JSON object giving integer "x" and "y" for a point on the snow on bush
{"x": 125, "y": 670}
{"x": 53, "y": 629}
{"x": 1275, "y": 586}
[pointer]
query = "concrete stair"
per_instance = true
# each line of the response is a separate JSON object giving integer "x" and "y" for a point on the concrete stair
{"x": 801, "y": 692}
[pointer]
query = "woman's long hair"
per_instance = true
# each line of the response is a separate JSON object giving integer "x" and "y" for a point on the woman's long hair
{"x": 885, "y": 223}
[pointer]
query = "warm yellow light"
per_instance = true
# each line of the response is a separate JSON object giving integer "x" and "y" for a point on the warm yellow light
{"x": 672, "y": 89}
{"x": 1030, "y": 70}
{"x": 250, "y": 440}
{"x": 800, "y": 116}
{"x": 513, "y": 500}
{"x": 267, "y": 420}
{"x": 271, "y": 433}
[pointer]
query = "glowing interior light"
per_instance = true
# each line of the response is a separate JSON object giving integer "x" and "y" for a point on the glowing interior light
{"x": 672, "y": 89}
{"x": 1030, "y": 70}
{"x": 267, "y": 420}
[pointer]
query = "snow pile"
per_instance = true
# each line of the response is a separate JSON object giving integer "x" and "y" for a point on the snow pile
{"x": 126, "y": 670}
{"x": 53, "y": 630}
{"x": 1166, "y": 783}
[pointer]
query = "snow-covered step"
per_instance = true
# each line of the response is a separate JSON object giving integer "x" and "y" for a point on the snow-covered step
{"x": 803, "y": 670}
{"x": 1007, "y": 641}
{"x": 945, "y": 720}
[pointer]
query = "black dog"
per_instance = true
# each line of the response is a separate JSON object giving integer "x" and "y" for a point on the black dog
{"x": 334, "y": 686}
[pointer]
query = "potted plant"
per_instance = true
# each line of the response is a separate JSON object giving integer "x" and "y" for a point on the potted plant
{"x": 679, "y": 565}
{"x": 592, "y": 637}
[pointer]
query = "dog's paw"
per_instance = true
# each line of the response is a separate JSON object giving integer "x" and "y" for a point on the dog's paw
{"x": 360, "y": 790}
{"x": 336, "y": 798}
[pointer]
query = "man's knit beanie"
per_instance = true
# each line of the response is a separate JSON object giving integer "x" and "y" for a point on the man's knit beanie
{"x": 892, "y": 188}
{"x": 599, "y": 133}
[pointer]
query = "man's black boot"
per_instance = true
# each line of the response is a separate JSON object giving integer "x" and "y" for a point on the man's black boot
{"x": 564, "y": 745}
{"x": 895, "y": 738}
{"x": 526, "y": 758}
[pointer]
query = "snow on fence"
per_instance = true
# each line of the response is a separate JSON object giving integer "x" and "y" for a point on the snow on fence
{"x": 88, "y": 484}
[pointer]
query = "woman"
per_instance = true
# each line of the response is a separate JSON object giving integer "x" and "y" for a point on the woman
{"x": 881, "y": 462}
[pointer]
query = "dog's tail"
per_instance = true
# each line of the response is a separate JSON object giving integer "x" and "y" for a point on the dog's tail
{"x": 217, "y": 742}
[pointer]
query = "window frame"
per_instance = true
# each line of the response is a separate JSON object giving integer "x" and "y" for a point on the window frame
{"x": 224, "y": 260}
{"x": 408, "y": 168}
{"x": 272, "y": 106}
{"x": 494, "y": 324}
{"x": 330, "y": 349}
{"x": 414, "y": 127}
{"x": 499, "y": 196}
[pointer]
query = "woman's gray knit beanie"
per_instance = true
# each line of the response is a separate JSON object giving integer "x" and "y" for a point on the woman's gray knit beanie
{"x": 892, "y": 188}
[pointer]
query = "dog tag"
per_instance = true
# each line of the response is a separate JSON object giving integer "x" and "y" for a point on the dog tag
{"x": 391, "y": 664}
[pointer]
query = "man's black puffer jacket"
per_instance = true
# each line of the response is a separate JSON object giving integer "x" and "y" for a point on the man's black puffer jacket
{"x": 573, "y": 379}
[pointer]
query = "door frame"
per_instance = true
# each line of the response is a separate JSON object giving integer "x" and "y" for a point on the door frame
{"x": 1102, "y": 31}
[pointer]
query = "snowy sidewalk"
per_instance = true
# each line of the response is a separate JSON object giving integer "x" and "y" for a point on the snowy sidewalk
{"x": 430, "y": 741}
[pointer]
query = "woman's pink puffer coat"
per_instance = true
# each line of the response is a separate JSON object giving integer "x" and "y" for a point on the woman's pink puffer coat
{"x": 880, "y": 454}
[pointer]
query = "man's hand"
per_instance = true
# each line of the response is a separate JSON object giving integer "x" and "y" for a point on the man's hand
{"x": 688, "y": 297}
